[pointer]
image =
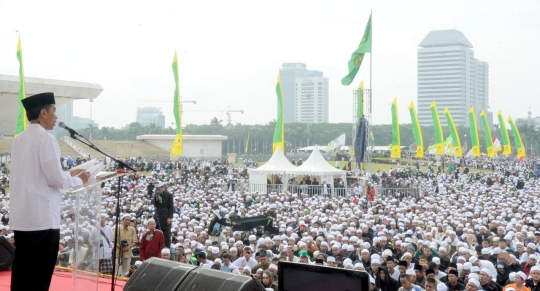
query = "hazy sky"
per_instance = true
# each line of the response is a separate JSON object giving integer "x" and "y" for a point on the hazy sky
{"x": 230, "y": 51}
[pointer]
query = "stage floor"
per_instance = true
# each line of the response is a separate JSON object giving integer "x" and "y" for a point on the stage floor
{"x": 63, "y": 281}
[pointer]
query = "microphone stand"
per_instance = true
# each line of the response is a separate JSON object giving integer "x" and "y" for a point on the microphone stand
{"x": 117, "y": 212}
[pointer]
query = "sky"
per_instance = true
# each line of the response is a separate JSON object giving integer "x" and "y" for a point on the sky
{"x": 230, "y": 52}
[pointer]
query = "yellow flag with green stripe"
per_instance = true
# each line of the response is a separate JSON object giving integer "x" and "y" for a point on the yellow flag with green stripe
{"x": 279, "y": 131}
{"x": 21, "y": 116}
{"x": 177, "y": 146}
{"x": 396, "y": 138}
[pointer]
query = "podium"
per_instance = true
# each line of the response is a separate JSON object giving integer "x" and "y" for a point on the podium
{"x": 80, "y": 212}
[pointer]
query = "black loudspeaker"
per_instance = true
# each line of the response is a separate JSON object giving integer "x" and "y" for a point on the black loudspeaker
{"x": 158, "y": 274}
{"x": 214, "y": 280}
{"x": 7, "y": 251}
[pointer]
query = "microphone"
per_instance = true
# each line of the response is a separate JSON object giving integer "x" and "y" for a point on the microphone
{"x": 72, "y": 132}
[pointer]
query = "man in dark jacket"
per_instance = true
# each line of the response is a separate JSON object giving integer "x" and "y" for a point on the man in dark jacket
{"x": 217, "y": 221}
{"x": 163, "y": 201}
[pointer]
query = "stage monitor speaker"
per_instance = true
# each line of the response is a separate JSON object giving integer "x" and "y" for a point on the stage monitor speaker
{"x": 7, "y": 251}
{"x": 158, "y": 274}
{"x": 215, "y": 280}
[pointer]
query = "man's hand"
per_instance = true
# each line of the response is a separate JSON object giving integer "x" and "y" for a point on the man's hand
{"x": 84, "y": 177}
{"x": 169, "y": 221}
{"x": 75, "y": 172}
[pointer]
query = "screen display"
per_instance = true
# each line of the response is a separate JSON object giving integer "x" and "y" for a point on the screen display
{"x": 300, "y": 277}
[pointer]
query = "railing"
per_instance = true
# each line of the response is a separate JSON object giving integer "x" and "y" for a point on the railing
{"x": 76, "y": 147}
{"x": 311, "y": 190}
{"x": 410, "y": 192}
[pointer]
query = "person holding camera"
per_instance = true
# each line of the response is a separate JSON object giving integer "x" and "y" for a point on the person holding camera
{"x": 152, "y": 242}
{"x": 163, "y": 201}
{"x": 128, "y": 239}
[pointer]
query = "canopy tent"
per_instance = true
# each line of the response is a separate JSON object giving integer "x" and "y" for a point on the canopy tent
{"x": 277, "y": 165}
{"x": 316, "y": 165}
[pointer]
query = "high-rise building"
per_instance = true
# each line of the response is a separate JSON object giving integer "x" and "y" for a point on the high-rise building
{"x": 449, "y": 74}
{"x": 151, "y": 115}
{"x": 289, "y": 73}
{"x": 79, "y": 123}
{"x": 311, "y": 96}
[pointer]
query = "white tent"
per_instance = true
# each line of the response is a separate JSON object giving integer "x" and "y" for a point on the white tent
{"x": 277, "y": 165}
{"x": 316, "y": 165}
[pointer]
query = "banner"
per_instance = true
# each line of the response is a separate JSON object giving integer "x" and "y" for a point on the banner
{"x": 279, "y": 131}
{"x": 360, "y": 101}
{"x": 417, "y": 131}
{"x": 456, "y": 143}
{"x": 247, "y": 143}
{"x": 475, "y": 142}
{"x": 449, "y": 146}
{"x": 496, "y": 144}
{"x": 517, "y": 138}
{"x": 358, "y": 56}
{"x": 177, "y": 146}
{"x": 507, "y": 149}
{"x": 437, "y": 129}
{"x": 396, "y": 142}
{"x": 20, "y": 126}
{"x": 336, "y": 143}
{"x": 487, "y": 135}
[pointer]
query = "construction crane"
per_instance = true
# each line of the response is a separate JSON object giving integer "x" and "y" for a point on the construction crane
{"x": 228, "y": 112}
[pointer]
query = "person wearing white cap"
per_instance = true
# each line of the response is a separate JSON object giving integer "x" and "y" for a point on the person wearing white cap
{"x": 473, "y": 285}
{"x": 534, "y": 281}
{"x": 152, "y": 242}
{"x": 487, "y": 282}
{"x": 217, "y": 222}
{"x": 406, "y": 281}
{"x": 163, "y": 202}
{"x": 127, "y": 239}
{"x": 519, "y": 283}
{"x": 166, "y": 253}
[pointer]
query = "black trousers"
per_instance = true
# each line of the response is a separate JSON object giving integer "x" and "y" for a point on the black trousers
{"x": 35, "y": 257}
{"x": 166, "y": 229}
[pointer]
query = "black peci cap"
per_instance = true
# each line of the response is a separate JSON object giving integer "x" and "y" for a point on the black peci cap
{"x": 38, "y": 100}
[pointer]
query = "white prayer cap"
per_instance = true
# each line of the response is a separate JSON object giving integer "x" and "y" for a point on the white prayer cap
{"x": 165, "y": 251}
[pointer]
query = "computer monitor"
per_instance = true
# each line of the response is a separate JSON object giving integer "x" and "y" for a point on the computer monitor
{"x": 304, "y": 277}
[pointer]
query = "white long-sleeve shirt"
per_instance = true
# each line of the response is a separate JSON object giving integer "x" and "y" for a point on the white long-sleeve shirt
{"x": 242, "y": 262}
{"x": 36, "y": 180}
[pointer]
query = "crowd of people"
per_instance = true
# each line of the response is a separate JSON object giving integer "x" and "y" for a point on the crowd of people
{"x": 465, "y": 230}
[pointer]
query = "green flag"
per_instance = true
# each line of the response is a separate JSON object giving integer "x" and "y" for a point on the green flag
{"x": 437, "y": 129}
{"x": 417, "y": 131}
{"x": 517, "y": 138}
{"x": 279, "y": 131}
{"x": 358, "y": 55}
{"x": 177, "y": 147}
{"x": 507, "y": 149}
{"x": 475, "y": 142}
{"x": 456, "y": 143}
{"x": 360, "y": 102}
{"x": 247, "y": 143}
{"x": 487, "y": 135}
{"x": 396, "y": 140}
{"x": 21, "y": 116}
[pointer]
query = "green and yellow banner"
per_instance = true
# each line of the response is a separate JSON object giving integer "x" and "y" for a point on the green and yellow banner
{"x": 20, "y": 126}
{"x": 360, "y": 101}
{"x": 177, "y": 146}
{"x": 517, "y": 138}
{"x": 437, "y": 129}
{"x": 358, "y": 56}
{"x": 417, "y": 131}
{"x": 396, "y": 142}
{"x": 475, "y": 142}
{"x": 456, "y": 143}
{"x": 487, "y": 134}
{"x": 247, "y": 143}
{"x": 279, "y": 131}
{"x": 507, "y": 149}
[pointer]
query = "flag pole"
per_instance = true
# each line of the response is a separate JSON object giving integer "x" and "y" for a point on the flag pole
{"x": 371, "y": 57}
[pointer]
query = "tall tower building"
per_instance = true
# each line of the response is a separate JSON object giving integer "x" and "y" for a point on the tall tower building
{"x": 311, "y": 96}
{"x": 449, "y": 74}
{"x": 289, "y": 73}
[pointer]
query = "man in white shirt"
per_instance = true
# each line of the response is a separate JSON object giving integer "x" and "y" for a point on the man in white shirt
{"x": 35, "y": 183}
{"x": 101, "y": 240}
{"x": 246, "y": 260}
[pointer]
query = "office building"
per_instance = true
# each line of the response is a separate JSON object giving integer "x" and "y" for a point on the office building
{"x": 449, "y": 74}
{"x": 151, "y": 115}
{"x": 80, "y": 123}
{"x": 290, "y": 72}
{"x": 311, "y": 95}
